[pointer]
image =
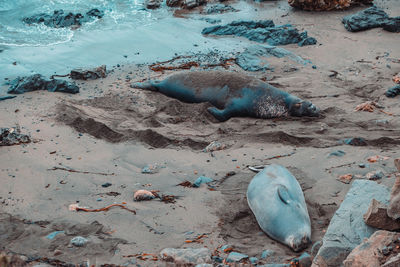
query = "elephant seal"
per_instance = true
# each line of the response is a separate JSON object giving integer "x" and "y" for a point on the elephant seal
{"x": 277, "y": 201}
{"x": 232, "y": 95}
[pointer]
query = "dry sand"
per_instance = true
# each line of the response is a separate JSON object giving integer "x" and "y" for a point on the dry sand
{"x": 112, "y": 131}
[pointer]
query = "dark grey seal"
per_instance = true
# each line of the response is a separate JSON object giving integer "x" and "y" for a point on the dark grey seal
{"x": 233, "y": 95}
{"x": 277, "y": 201}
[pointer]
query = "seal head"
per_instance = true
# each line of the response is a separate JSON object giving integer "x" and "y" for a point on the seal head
{"x": 303, "y": 108}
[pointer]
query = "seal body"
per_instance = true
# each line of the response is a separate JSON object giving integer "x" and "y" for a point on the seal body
{"x": 232, "y": 95}
{"x": 277, "y": 201}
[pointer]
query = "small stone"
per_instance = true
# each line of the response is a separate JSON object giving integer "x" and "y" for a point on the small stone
{"x": 337, "y": 153}
{"x": 106, "y": 185}
{"x": 374, "y": 175}
{"x": 236, "y": 257}
{"x": 79, "y": 241}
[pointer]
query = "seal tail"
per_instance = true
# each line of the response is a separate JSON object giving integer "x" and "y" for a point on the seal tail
{"x": 147, "y": 85}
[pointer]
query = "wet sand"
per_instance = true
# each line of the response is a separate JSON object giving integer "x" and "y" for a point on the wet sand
{"x": 109, "y": 132}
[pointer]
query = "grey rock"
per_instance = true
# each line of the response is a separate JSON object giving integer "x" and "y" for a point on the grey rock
{"x": 393, "y": 91}
{"x": 347, "y": 228}
{"x": 369, "y": 18}
{"x": 393, "y": 25}
{"x": 90, "y": 74}
{"x": 377, "y": 217}
{"x": 13, "y": 136}
{"x": 79, "y": 241}
{"x": 36, "y": 82}
{"x": 236, "y": 257}
{"x": 220, "y": 8}
{"x": 394, "y": 205}
{"x": 186, "y": 255}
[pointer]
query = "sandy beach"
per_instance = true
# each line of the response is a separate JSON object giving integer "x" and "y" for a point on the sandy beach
{"x": 109, "y": 132}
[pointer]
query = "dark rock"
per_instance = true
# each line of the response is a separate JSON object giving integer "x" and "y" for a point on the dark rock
{"x": 394, "y": 204}
{"x": 347, "y": 228}
{"x": 356, "y": 141}
{"x": 174, "y": 3}
{"x": 377, "y": 217}
{"x": 189, "y": 4}
{"x": 337, "y": 153}
{"x": 381, "y": 249}
{"x": 253, "y": 57}
{"x": 261, "y": 31}
{"x": 91, "y": 74}
{"x": 59, "y": 19}
{"x": 7, "y": 97}
{"x": 315, "y": 247}
{"x": 323, "y": 5}
{"x": 220, "y": 8}
{"x": 211, "y": 21}
{"x": 12, "y": 136}
{"x": 393, "y": 25}
{"x": 393, "y": 91}
{"x": 369, "y": 18}
{"x": 153, "y": 4}
{"x": 186, "y": 256}
{"x": 106, "y": 185}
{"x": 37, "y": 82}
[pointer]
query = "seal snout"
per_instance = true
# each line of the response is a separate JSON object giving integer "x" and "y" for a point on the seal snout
{"x": 298, "y": 244}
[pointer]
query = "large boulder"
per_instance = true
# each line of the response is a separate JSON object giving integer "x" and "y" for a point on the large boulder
{"x": 381, "y": 249}
{"x": 377, "y": 217}
{"x": 347, "y": 228}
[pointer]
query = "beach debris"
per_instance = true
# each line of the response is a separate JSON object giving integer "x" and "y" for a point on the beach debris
{"x": 77, "y": 171}
{"x": 369, "y": 18}
{"x": 394, "y": 204}
{"x": 355, "y": 141}
{"x": 347, "y": 228}
{"x": 186, "y": 256}
{"x": 52, "y": 235}
{"x": 393, "y": 91}
{"x": 305, "y": 260}
{"x": 90, "y": 74}
{"x": 377, "y": 158}
{"x": 202, "y": 180}
{"x": 346, "y": 178}
{"x": 36, "y": 82}
{"x": 105, "y": 185}
{"x": 366, "y": 106}
{"x": 76, "y": 207}
{"x": 254, "y": 57}
{"x": 326, "y": 5}
{"x": 337, "y": 153}
{"x": 236, "y": 257}
{"x": 197, "y": 239}
{"x": 79, "y": 241}
{"x": 186, "y": 184}
{"x": 214, "y": 146}
{"x": 376, "y": 216}
{"x": 380, "y": 250}
{"x": 226, "y": 248}
{"x": 220, "y": 8}
{"x": 60, "y": 19}
{"x": 7, "y": 97}
{"x": 263, "y": 31}
{"x": 167, "y": 198}
{"x": 150, "y": 169}
{"x": 143, "y": 195}
{"x": 374, "y": 175}
{"x": 396, "y": 78}
{"x": 143, "y": 256}
{"x": 12, "y": 136}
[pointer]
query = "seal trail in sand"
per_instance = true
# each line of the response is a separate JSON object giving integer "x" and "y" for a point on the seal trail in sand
{"x": 277, "y": 201}
{"x": 232, "y": 95}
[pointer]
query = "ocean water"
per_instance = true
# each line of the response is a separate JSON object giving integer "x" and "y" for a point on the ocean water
{"x": 127, "y": 34}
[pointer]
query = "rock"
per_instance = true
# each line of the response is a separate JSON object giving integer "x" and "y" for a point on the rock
{"x": 346, "y": 178}
{"x": 79, "y": 241}
{"x": 220, "y": 8}
{"x": 393, "y": 25}
{"x": 377, "y": 217}
{"x": 236, "y": 257}
{"x": 323, "y": 5}
{"x": 59, "y": 19}
{"x": 143, "y": 195}
{"x": 186, "y": 256}
{"x": 153, "y": 4}
{"x": 253, "y": 57}
{"x": 91, "y": 74}
{"x": 7, "y": 97}
{"x": 266, "y": 253}
{"x": 393, "y": 91}
{"x": 304, "y": 260}
{"x": 174, "y": 3}
{"x": 202, "y": 180}
{"x": 253, "y": 260}
{"x": 337, "y": 153}
{"x": 315, "y": 247}
{"x": 150, "y": 169}
{"x": 347, "y": 228}
{"x": 263, "y": 31}
{"x": 106, "y": 185}
{"x": 189, "y": 4}
{"x": 374, "y": 175}
{"x": 13, "y": 136}
{"x": 369, "y": 18}
{"x": 381, "y": 249}
{"x": 36, "y": 82}
{"x": 356, "y": 141}
{"x": 214, "y": 146}
{"x": 394, "y": 204}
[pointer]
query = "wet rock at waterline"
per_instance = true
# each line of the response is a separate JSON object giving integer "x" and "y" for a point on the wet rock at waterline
{"x": 90, "y": 74}
{"x": 324, "y": 5}
{"x": 263, "y": 31}
{"x": 60, "y": 19}
{"x": 36, "y": 82}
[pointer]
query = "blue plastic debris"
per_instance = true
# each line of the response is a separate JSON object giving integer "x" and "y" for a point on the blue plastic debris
{"x": 201, "y": 180}
{"x": 52, "y": 235}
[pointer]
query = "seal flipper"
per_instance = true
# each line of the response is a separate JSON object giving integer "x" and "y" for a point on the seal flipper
{"x": 220, "y": 114}
{"x": 283, "y": 194}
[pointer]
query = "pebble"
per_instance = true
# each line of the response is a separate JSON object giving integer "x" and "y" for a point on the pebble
{"x": 79, "y": 241}
{"x": 106, "y": 185}
{"x": 236, "y": 257}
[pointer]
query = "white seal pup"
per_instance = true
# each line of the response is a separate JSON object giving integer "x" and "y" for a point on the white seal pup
{"x": 277, "y": 201}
